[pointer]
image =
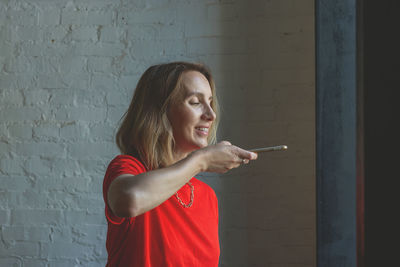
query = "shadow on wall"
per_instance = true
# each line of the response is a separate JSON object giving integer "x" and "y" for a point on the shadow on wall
{"x": 266, "y": 86}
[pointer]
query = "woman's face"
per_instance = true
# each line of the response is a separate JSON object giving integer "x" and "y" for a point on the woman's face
{"x": 192, "y": 116}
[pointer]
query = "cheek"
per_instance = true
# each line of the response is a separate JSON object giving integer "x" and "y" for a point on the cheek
{"x": 181, "y": 120}
{"x": 187, "y": 116}
{"x": 184, "y": 116}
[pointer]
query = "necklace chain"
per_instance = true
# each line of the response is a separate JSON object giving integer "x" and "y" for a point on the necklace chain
{"x": 191, "y": 196}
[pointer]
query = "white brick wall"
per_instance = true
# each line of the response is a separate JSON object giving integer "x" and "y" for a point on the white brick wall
{"x": 67, "y": 71}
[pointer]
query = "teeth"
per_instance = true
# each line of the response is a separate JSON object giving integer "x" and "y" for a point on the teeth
{"x": 203, "y": 129}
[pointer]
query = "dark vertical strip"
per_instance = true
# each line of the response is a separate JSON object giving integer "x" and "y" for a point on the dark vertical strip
{"x": 336, "y": 132}
{"x": 381, "y": 45}
{"x": 360, "y": 138}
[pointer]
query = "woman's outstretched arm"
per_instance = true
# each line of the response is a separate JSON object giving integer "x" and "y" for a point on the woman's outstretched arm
{"x": 132, "y": 195}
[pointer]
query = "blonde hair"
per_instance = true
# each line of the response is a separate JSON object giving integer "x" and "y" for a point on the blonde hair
{"x": 145, "y": 131}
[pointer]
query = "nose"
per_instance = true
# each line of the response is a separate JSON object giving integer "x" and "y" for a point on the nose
{"x": 208, "y": 113}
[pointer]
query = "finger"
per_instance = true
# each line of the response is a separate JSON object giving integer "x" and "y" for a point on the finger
{"x": 244, "y": 154}
{"x": 227, "y": 143}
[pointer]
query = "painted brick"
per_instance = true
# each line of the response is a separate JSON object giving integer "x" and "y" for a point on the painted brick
{"x": 96, "y": 5}
{"x": 65, "y": 167}
{"x": 80, "y": 114}
{"x": 102, "y": 131}
{"x": 93, "y": 166}
{"x": 16, "y": 65}
{"x": 57, "y": 183}
{"x": 46, "y": 149}
{"x": 5, "y": 148}
{"x": 129, "y": 66}
{"x": 15, "y": 183}
{"x": 87, "y": 234}
{"x": 49, "y": 16}
{"x": 128, "y": 83}
{"x": 102, "y": 82}
{"x": 46, "y": 131}
{"x": 5, "y": 31}
{"x": 75, "y": 131}
{"x": 15, "y": 81}
{"x": 42, "y": 64}
{"x": 21, "y": 233}
{"x": 27, "y": 33}
{"x": 35, "y": 217}
{"x": 65, "y": 80}
{"x": 61, "y": 97}
{"x": 7, "y": 49}
{"x": 111, "y": 34}
{"x": 20, "y": 131}
{"x": 156, "y": 31}
{"x": 38, "y": 166}
{"x": 74, "y": 65}
{"x": 61, "y": 233}
{"x": 54, "y": 35}
{"x": 29, "y": 249}
{"x": 79, "y": 17}
{"x": 64, "y": 250}
{"x": 4, "y": 261}
{"x": 91, "y": 150}
{"x": 148, "y": 16}
{"x": 23, "y": 17}
{"x": 84, "y": 33}
{"x": 20, "y": 114}
{"x": 90, "y": 98}
{"x": 61, "y": 262}
{"x": 84, "y": 217}
{"x": 10, "y": 166}
{"x": 114, "y": 114}
{"x": 100, "y": 64}
{"x": 4, "y": 216}
{"x": 114, "y": 99}
{"x": 97, "y": 49}
{"x": 31, "y": 200}
{"x": 34, "y": 262}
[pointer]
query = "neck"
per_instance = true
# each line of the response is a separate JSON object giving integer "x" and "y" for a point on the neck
{"x": 180, "y": 156}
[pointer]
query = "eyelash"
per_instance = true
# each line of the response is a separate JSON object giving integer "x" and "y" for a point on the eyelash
{"x": 197, "y": 103}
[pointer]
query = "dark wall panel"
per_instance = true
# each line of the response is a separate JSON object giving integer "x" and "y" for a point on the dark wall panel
{"x": 336, "y": 132}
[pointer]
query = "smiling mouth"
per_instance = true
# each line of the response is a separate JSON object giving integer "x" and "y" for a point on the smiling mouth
{"x": 203, "y": 130}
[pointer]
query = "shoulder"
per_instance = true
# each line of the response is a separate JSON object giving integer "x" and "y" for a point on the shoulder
{"x": 122, "y": 164}
{"x": 127, "y": 163}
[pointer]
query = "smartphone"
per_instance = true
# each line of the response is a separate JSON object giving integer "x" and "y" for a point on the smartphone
{"x": 268, "y": 149}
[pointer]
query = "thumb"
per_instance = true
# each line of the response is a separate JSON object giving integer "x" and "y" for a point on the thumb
{"x": 227, "y": 143}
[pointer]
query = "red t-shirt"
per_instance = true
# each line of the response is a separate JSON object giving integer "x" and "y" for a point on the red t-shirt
{"x": 168, "y": 235}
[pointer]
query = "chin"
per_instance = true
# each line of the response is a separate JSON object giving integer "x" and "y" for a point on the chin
{"x": 202, "y": 144}
{"x": 198, "y": 146}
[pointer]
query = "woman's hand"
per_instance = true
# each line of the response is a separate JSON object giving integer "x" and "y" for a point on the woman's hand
{"x": 224, "y": 156}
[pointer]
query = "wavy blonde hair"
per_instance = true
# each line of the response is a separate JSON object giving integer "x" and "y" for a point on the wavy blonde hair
{"x": 145, "y": 131}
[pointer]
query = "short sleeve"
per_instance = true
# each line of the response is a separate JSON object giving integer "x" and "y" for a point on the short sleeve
{"x": 121, "y": 164}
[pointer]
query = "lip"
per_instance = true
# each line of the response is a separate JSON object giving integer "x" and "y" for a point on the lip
{"x": 201, "y": 132}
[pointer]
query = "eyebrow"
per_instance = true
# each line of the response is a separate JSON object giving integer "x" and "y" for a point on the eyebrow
{"x": 197, "y": 94}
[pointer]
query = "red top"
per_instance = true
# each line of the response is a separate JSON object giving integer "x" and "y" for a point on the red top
{"x": 168, "y": 235}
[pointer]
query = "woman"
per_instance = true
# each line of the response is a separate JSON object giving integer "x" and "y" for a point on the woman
{"x": 158, "y": 214}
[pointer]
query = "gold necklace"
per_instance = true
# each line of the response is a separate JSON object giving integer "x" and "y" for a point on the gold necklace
{"x": 191, "y": 196}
